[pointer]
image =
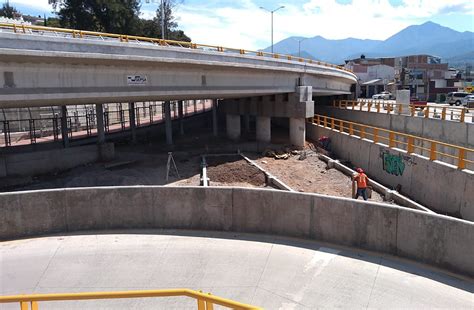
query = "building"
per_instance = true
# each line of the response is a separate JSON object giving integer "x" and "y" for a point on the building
{"x": 425, "y": 76}
{"x": 375, "y": 74}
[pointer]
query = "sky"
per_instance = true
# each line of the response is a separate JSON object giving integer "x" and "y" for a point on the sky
{"x": 243, "y": 24}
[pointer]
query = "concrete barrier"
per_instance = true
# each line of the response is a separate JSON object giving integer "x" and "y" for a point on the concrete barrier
{"x": 434, "y": 239}
{"x": 461, "y": 134}
{"x": 16, "y": 164}
{"x": 435, "y": 184}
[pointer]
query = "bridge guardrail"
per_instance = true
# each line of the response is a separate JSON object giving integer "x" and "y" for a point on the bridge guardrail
{"x": 455, "y": 113}
{"x": 409, "y": 143}
{"x": 204, "y": 301}
{"x": 161, "y": 42}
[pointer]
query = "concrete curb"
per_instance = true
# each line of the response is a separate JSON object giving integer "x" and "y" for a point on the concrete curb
{"x": 271, "y": 179}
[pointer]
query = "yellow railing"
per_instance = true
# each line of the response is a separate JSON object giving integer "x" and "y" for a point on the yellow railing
{"x": 130, "y": 38}
{"x": 463, "y": 157}
{"x": 203, "y": 301}
{"x": 374, "y": 105}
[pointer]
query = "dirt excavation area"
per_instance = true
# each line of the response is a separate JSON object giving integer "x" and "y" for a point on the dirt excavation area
{"x": 143, "y": 166}
{"x": 310, "y": 175}
{"x": 233, "y": 171}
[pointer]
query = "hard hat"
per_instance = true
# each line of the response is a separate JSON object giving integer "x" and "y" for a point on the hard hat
{"x": 360, "y": 170}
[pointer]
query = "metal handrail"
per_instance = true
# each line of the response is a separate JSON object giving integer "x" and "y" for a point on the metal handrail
{"x": 391, "y": 106}
{"x": 204, "y": 301}
{"x": 126, "y": 38}
{"x": 411, "y": 144}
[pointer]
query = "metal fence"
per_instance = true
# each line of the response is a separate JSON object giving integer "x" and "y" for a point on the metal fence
{"x": 40, "y": 125}
{"x": 462, "y": 157}
{"x": 457, "y": 114}
{"x": 203, "y": 301}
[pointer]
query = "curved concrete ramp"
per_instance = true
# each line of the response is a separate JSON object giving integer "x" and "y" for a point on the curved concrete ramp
{"x": 428, "y": 238}
{"x": 272, "y": 272}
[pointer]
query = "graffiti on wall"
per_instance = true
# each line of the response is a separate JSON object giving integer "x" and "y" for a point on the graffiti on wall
{"x": 395, "y": 164}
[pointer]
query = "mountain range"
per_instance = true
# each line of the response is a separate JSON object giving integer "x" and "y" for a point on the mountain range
{"x": 454, "y": 47}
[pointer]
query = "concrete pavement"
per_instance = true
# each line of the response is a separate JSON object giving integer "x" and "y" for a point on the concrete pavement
{"x": 272, "y": 272}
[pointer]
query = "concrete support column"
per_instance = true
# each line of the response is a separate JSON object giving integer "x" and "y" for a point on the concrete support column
{"x": 195, "y": 106}
{"x": 214, "y": 117}
{"x": 233, "y": 126}
{"x": 133, "y": 123}
{"x": 99, "y": 114}
{"x": 168, "y": 126}
{"x": 64, "y": 129}
{"x": 181, "y": 117}
{"x": 247, "y": 123}
{"x": 297, "y": 131}
{"x": 264, "y": 131}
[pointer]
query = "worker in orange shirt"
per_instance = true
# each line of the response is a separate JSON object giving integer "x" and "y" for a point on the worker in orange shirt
{"x": 362, "y": 181}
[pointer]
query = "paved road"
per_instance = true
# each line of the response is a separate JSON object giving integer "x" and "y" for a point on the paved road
{"x": 275, "y": 273}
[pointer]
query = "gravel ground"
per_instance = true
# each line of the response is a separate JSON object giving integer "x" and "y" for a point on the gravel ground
{"x": 310, "y": 176}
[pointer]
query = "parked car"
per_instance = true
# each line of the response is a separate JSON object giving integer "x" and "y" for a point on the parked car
{"x": 385, "y": 95}
{"x": 415, "y": 101}
{"x": 468, "y": 101}
{"x": 455, "y": 98}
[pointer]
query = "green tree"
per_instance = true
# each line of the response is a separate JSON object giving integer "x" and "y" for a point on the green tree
{"x": 170, "y": 23}
{"x": 116, "y": 16}
{"x": 8, "y": 11}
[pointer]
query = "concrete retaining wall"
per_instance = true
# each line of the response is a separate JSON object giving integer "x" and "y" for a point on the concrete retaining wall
{"x": 41, "y": 162}
{"x": 434, "y": 184}
{"x": 438, "y": 240}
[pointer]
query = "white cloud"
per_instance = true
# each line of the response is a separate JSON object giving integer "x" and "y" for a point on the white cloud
{"x": 36, "y": 4}
{"x": 248, "y": 27}
{"x": 243, "y": 24}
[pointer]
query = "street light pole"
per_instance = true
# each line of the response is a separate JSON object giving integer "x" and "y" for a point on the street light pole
{"x": 271, "y": 13}
{"x": 162, "y": 15}
{"x": 162, "y": 19}
{"x": 299, "y": 46}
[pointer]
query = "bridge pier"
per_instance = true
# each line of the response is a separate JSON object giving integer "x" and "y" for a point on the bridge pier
{"x": 246, "y": 123}
{"x": 214, "y": 117}
{"x": 64, "y": 128}
{"x": 181, "y": 117}
{"x": 168, "y": 126}
{"x": 99, "y": 114}
{"x": 133, "y": 123}
{"x": 297, "y": 132}
{"x": 264, "y": 128}
{"x": 233, "y": 126}
{"x": 296, "y": 107}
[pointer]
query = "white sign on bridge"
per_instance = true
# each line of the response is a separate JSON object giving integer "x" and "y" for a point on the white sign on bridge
{"x": 137, "y": 80}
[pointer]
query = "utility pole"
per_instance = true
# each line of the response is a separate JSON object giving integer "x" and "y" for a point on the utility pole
{"x": 162, "y": 15}
{"x": 271, "y": 13}
{"x": 163, "y": 19}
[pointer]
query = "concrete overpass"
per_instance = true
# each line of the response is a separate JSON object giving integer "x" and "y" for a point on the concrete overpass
{"x": 49, "y": 66}
{"x": 42, "y": 68}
